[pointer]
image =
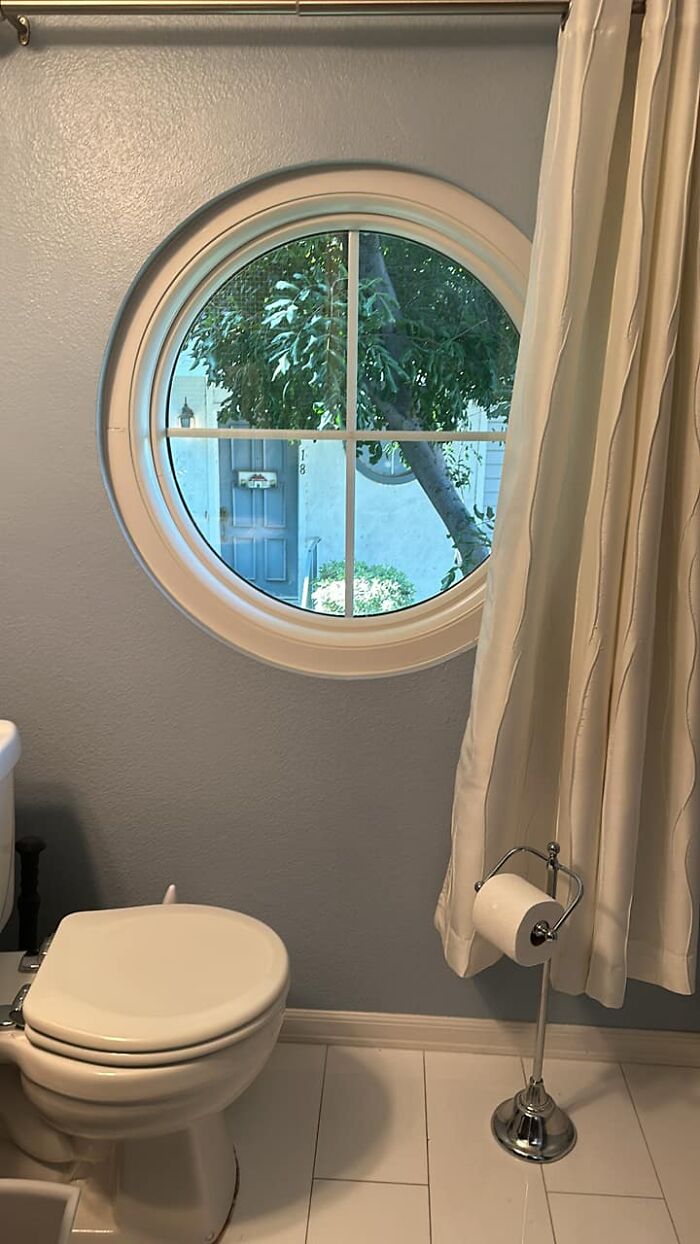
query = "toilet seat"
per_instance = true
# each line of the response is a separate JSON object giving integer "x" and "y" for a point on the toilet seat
{"x": 153, "y": 986}
{"x": 158, "y": 1058}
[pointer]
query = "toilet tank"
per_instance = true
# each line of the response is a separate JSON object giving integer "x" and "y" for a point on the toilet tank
{"x": 9, "y": 755}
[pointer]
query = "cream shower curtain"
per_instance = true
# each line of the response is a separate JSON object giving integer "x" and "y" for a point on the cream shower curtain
{"x": 585, "y": 710}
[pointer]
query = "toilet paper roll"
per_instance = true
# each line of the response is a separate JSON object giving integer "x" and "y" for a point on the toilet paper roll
{"x": 506, "y": 910}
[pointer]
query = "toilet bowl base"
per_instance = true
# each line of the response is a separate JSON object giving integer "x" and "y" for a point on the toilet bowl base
{"x": 176, "y": 1189}
{"x": 100, "y": 1199}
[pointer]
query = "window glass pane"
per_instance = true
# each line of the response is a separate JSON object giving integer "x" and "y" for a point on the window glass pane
{"x": 270, "y": 346}
{"x": 272, "y": 510}
{"x": 414, "y": 542}
{"x": 436, "y": 350}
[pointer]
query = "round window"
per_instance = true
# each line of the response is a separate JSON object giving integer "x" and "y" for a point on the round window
{"x": 282, "y": 359}
{"x": 384, "y": 463}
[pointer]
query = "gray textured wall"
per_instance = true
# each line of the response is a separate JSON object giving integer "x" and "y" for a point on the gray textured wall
{"x": 152, "y": 752}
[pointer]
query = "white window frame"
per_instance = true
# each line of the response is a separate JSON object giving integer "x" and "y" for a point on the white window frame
{"x": 148, "y": 334}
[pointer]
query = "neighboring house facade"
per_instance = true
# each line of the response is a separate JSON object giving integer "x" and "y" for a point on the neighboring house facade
{"x": 277, "y": 537}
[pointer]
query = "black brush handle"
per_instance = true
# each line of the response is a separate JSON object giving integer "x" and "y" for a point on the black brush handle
{"x": 29, "y": 849}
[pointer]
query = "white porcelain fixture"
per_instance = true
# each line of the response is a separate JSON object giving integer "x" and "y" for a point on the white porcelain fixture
{"x": 37, "y": 1211}
{"x": 141, "y": 1027}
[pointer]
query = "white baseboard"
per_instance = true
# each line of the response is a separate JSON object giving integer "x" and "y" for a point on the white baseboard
{"x": 490, "y": 1036}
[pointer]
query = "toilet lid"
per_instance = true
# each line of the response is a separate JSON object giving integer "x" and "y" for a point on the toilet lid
{"x": 144, "y": 979}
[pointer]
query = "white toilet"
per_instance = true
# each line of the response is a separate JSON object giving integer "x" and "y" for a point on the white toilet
{"x": 141, "y": 1026}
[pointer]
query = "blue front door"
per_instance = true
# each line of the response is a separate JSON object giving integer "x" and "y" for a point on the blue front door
{"x": 259, "y": 525}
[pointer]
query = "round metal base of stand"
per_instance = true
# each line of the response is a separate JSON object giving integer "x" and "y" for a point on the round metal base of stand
{"x": 532, "y": 1126}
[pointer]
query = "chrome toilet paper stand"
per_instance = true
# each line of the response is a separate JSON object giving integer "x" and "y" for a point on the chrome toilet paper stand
{"x": 531, "y": 1124}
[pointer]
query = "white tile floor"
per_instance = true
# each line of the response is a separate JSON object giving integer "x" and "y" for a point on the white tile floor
{"x": 369, "y": 1146}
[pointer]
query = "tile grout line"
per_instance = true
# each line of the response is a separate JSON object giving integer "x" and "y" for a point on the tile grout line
{"x": 548, "y": 1203}
{"x": 613, "y": 1196}
{"x": 318, "y": 1132}
{"x": 544, "y": 1181}
{"x": 383, "y": 1183}
{"x": 427, "y": 1151}
{"x": 630, "y": 1094}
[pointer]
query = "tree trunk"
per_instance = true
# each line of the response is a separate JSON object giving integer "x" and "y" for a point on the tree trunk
{"x": 427, "y": 462}
{"x": 425, "y": 458}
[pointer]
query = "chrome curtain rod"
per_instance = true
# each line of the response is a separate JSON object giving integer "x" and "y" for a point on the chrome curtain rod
{"x": 19, "y": 12}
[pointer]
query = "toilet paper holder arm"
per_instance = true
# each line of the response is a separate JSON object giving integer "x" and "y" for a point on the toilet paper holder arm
{"x": 542, "y": 932}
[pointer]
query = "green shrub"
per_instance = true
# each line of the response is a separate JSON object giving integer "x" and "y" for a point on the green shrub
{"x": 378, "y": 589}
